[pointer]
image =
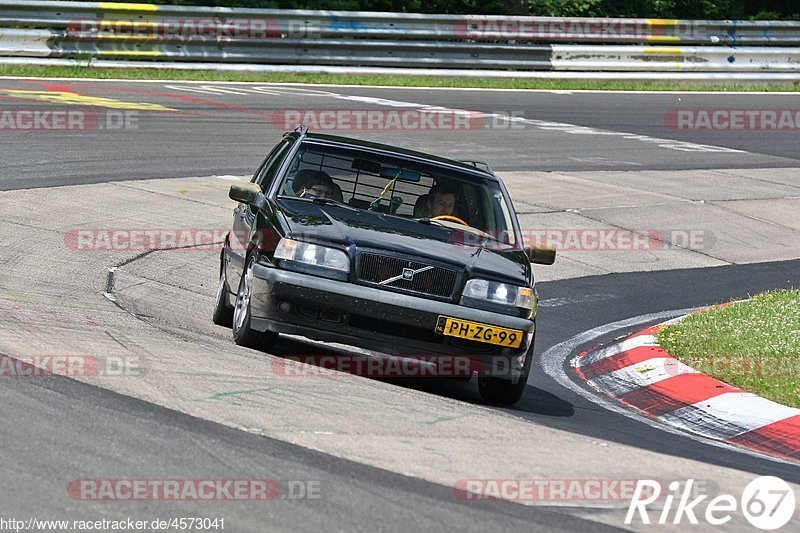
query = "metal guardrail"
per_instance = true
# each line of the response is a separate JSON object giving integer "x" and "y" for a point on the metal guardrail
{"x": 92, "y": 30}
{"x": 54, "y": 14}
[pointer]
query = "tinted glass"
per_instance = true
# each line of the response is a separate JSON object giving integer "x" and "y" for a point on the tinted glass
{"x": 364, "y": 180}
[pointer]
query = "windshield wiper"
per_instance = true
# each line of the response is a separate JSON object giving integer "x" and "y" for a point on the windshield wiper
{"x": 331, "y": 201}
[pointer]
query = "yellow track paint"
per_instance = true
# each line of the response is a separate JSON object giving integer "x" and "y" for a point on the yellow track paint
{"x": 670, "y": 51}
{"x": 112, "y": 24}
{"x": 114, "y": 6}
{"x": 662, "y": 38}
{"x": 70, "y": 98}
{"x": 662, "y": 22}
{"x": 662, "y": 25}
{"x": 131, "y": 53}
{"x": 123, "y": 38}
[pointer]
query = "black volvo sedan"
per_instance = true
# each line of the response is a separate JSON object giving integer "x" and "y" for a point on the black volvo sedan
{"x": 385, "y": 249}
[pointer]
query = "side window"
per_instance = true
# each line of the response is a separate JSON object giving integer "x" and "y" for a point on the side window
{"x": 266, "y": 173}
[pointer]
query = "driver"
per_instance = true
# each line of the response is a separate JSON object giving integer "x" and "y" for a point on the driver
{"x": 316, "y": 184}
{"x": 441, "y": 200}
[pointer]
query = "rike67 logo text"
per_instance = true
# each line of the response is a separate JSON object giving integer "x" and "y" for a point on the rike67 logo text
{"x": 767, "y": 503}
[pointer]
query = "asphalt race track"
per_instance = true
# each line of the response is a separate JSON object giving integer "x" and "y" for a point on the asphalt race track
{"x": 185, "y": 403}
{"x": 239, "y": 124}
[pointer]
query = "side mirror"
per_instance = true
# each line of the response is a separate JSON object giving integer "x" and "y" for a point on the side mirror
{"x": 248, "y": 193}
{"x": 541, "y": 256}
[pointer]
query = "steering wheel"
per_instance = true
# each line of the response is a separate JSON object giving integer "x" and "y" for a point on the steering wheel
{"x": 451, "y": 219}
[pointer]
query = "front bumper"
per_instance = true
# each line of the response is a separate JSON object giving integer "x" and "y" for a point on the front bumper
{"x": 373, "y": 319}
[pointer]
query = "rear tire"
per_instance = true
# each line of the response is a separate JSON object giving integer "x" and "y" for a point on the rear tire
{"x": 243, "y": 335}
{"x": 223, "y": 313}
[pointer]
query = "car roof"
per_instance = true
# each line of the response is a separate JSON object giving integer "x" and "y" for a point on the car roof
{"x": 413, "y": 154}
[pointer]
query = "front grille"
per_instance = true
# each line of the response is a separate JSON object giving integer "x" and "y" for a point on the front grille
{"x": 376, "y": 269}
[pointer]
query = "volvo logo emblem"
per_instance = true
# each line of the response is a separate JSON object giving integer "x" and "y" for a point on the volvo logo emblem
{"x": 407, "y": 275}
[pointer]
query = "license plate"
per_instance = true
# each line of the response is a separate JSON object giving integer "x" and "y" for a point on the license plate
{"x": 475, "y": 331}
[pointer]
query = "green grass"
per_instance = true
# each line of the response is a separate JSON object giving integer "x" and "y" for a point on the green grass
{"x": 754, "y": 345}
{"x": 374, "y": 79}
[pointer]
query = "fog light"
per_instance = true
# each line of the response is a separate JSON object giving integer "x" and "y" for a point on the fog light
{"x": 284, "y": 307}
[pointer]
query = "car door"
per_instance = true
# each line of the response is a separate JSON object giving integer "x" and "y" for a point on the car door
{"x": 245, "y": 217}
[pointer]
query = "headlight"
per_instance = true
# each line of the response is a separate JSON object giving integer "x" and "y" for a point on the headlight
{"x": 498, "y": 293}
{"x": 312, "y": 254}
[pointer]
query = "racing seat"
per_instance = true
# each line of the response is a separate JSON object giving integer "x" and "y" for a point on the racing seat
{"x": 421, "y": 206}
{"x": 337, "y": 193}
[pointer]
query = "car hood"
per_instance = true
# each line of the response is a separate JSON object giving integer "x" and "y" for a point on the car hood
{"x": 329, "y": 224}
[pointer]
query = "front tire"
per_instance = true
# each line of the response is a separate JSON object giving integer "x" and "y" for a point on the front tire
{"x": 503, "y": 391}
{"x": 243, "y": 335}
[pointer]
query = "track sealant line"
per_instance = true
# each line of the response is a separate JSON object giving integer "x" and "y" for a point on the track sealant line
{"x": 109, "y": 294}
{"x": 640, "y": 374}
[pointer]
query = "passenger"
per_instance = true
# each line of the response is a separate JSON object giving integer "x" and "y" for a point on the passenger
{"x": 315, "y": 184}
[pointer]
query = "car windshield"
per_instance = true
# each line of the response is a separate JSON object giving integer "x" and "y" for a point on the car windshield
{"x": 401, "y": 187}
